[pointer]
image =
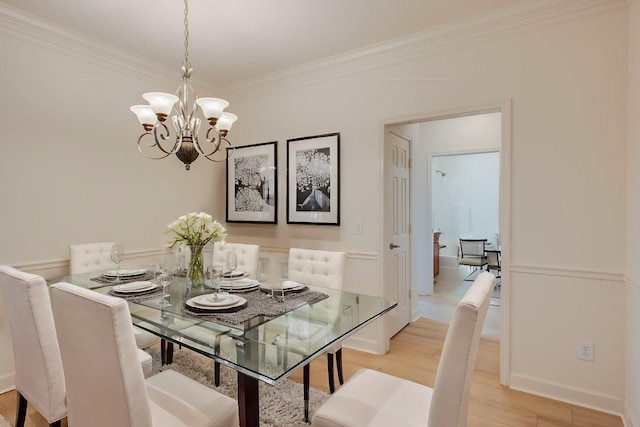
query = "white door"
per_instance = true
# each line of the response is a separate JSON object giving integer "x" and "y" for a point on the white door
{"x": 397, "y": 266}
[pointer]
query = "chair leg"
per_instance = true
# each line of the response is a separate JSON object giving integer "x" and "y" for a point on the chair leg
{"x": 216, "y": 374}
{"x": 339, "y": 366}
{"x": 332, "y": 386}
{"x": 56, "y": 424}
{"x": 306, "y": 378}
{"x": 21, "y": 413}
{"x": 163, "y": 352}
{"x": 169, "y": 353}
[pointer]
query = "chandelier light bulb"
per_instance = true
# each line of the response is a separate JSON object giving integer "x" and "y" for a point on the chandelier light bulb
{"x": 145, "y": 114}
{"x": 212, "y": 108}
{"x": 225, "y": 122}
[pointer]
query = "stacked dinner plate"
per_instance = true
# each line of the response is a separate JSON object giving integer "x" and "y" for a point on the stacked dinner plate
{"x": 135, "y": 288}
{"x": 216, "y": 303}
{"x": 243, "y": 285}
{"x": 124, "y": 274}
{"x": 285, "y": 286}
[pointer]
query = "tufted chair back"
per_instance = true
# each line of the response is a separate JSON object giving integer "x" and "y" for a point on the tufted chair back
{"x": 109, "y": 390}
{"x": 248, "y": 256}
{"x": 39, "y": 374}
{"x": 90, "y": 257}
{"x": 317, "y": 268}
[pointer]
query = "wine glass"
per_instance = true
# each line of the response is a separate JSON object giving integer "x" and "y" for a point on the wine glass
{"x": 216, "y": 280}
{"x": 165, "y": 278}
{"x": 232, "y": 262}
{"x": 117, "y": 255}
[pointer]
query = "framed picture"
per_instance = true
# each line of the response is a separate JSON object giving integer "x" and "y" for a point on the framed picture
{"x": 252, "y": 184}
{"x": 313, "y": 180}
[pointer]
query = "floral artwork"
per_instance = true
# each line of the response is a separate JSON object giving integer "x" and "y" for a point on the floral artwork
{"x": 251, "y": 184}
{"x": 313, "y": 180}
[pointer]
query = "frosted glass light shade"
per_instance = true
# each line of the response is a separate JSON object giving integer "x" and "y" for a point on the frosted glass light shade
{"x": 160, "y": 102}
{"x": 145, "y": 114}
{"x": 225, "y": 121}
{"x": 212, "y": 107}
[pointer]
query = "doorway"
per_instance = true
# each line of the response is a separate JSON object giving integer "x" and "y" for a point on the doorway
{"x": 476, "y": 130}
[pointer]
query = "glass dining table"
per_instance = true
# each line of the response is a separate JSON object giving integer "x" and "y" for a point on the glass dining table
{"x": 265, "y": 339}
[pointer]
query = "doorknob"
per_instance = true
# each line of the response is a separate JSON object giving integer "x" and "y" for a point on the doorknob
{"x": 392, "y": 246}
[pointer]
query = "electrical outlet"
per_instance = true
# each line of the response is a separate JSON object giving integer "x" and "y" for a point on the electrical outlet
{"x": 585, "y": 350}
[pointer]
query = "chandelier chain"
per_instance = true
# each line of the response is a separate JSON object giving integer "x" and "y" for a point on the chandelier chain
{"x": 186, "y": 33}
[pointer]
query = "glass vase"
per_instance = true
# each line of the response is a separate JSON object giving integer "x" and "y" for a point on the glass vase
{"x": 196, "y": 266}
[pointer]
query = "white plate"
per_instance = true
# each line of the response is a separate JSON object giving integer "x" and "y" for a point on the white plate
{"x": 193, "y": 303}
{"x": 125, "y": 273}
{"x": 209, "y": 300}
{"x": 287, "y": 285}
{"x": 134, "y": 287}
{"x": 240, "y": 284}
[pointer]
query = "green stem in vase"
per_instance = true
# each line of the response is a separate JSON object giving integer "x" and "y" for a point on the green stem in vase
{"x": 196, "y": 265}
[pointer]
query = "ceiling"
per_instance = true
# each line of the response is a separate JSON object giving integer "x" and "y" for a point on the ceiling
{"x": 235, "y": 40}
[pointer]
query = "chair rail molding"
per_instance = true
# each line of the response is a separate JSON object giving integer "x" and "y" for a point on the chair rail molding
{"x": 568, "y": 272}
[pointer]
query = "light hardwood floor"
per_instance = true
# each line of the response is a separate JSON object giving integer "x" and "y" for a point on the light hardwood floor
{"x": 414, "y": 354}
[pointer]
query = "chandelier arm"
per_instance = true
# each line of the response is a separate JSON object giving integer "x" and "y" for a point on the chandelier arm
{"x": 163, "y": 135}
{"x": 229, "y": 150}
{"x": 154, "y": 142}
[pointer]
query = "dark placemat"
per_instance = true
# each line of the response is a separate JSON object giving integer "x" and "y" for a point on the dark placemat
{"x": 137, "y": 296}
{"x": 108, "y": 280}
{"x": 261, "y": 304}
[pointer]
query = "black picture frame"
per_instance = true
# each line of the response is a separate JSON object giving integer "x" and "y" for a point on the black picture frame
{"x": 313, "y": 180}
{"x": 252, "y": 184}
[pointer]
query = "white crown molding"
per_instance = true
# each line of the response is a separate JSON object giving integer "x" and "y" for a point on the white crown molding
{"x": 19, "y": 25}
{"x": 520, "y": 18}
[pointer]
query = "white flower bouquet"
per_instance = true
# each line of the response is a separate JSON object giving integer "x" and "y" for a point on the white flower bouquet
{"x": 196, "y": 230}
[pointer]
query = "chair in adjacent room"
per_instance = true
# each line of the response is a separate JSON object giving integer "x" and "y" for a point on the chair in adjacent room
{"x": 494, "y": 262}
{"x": 87, "y": 257}
{"x": 103, "y": 390}
{"x": 323, "y": 269}
{"x": 372, "y": 398}
{"x": 472, "y": 253}
{"x": 248, "y": 256}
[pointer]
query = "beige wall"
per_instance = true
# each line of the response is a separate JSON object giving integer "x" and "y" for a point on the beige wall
{"x": 632, "y": 401}
{"x": 567, "y": 82}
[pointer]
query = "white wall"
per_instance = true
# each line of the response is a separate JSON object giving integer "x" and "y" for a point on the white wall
{"x": 567, "y": 80}
{"x": 632, "y": 297}
{"x": 465, "y": 201}
{"x": 567, "y": 84}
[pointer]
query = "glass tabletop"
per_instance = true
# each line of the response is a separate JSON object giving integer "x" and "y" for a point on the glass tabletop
{"x": 266, "y": 346}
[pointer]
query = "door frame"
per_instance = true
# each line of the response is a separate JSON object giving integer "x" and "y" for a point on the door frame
{"x": 504, "y": 107}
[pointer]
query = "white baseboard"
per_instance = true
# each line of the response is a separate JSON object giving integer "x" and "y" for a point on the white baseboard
{"x": 628, "y": 417}
{"x": 362, "y": 344}
{"x": 7, "y": 382}
{"x": 588, "y": 399}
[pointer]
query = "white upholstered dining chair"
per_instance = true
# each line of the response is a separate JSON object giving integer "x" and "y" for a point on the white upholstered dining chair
{"x": 39, "y": 375}
{"x": 323, "y": 269}
{"x": 375, "y": 399}
{"x": 248, "y": 256}
{"x": 103, "y": 390}
{"x": 87, "y": 257}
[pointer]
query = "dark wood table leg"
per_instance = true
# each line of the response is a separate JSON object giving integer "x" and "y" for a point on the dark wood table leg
{"x": 248, "y": 403}
{"x": 306, "y": 379}
{"x": 21, "y": 413}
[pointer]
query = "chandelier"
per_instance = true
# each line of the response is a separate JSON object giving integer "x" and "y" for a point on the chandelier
{"x": 187, "y": 146}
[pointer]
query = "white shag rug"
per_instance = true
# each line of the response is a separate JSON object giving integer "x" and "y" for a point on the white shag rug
{"x": 3, "y": 422}
{"x": 280, "y": 406}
